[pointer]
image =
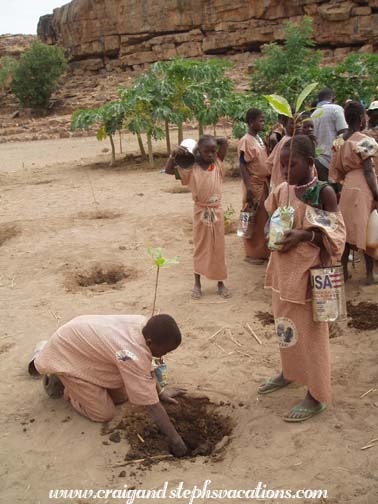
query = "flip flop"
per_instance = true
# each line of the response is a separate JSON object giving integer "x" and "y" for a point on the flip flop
{"x": 305, "y": 412}
{"x": 270, "y": 386}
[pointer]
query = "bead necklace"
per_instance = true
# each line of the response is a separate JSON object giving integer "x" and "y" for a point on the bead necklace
{"x": 309, "y": 184}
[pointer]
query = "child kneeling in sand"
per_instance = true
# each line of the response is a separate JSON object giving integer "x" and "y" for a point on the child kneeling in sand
{"x": 102, "y": 360}
{"x": 205, "y": 179}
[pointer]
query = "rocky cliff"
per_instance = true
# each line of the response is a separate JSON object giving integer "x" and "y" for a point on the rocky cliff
{"x": 129, "y": 33}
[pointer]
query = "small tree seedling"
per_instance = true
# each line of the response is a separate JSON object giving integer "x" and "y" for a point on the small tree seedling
{"x": 159, "y": 261}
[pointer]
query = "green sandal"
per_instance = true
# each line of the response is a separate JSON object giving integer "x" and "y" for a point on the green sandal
{"x": 305, "y": 413}
{"x": 270, "y": 386}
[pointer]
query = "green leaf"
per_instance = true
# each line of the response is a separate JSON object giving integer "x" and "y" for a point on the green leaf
{"x": 279, "y": 104}
{"x": 303, "y": 95}
{"x": 101, "y": 133}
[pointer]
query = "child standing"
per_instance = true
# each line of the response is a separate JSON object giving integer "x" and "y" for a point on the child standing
{"x": 352, "y": 164}
{"x": 255, "y": 176}
{"x": 317, "y": 237}
{"x": 205, "y": 180}
{"x": 273, "y": 162}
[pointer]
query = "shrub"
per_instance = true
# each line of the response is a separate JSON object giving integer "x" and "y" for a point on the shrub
{"x": 287, "y": 69}
{"x": 7, "y": 68}
{"x": 37, "y": 73}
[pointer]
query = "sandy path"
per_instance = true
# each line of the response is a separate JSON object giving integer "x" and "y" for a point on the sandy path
{"x": 46, "y": 445}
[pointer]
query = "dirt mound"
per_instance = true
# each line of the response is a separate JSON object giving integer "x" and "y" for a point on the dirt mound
{"x": 195, "y": 419}
{"x": 265, "y": 318}
{"x": 176, "y": 189}
{"x": 8, "y": 231}
{"x": 364, "y": 315}
{"x": 99, "y": 214}
{"x": 98, "y": 275}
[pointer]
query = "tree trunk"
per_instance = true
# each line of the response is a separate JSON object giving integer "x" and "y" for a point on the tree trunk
{"x": 215, "y": 130}
{"x": 120, "y": 141}
{"x": 200, "y": 129}
{"x": 167, "y": 137}
{"x": 113, "y": 150}
{"x": 180, "y": 134}
{"x": 150, "y": 153}
{"x": 141, "y": 146}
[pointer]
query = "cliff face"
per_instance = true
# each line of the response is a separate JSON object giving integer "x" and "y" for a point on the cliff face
{"x": 128, "y": 33}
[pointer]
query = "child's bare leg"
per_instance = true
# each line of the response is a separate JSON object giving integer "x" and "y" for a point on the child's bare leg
{"x": 305, "y": 409}
{"x": 344, "y": 261}
{"x": 196, "y": 291}
{"x": 223, "y": 291}
{"x": 275, "y": 383}
{"x": 369, "y": 263}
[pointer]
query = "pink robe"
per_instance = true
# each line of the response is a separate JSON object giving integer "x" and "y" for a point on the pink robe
{"x": 256, "y": 156}
{"x": 208, "y": 221}
{"x": 304, "y": 344}
{"x": 356, "y": 201}
{"x": 274, "y": 166}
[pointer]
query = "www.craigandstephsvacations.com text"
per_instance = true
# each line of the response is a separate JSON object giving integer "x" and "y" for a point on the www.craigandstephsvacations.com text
{"x": 188, "y": 495}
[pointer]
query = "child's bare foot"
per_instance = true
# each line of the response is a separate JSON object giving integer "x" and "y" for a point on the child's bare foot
{"x": 223, "y": 291}
{"x": 372, "y": 279}
{"x": 196, "y": 292}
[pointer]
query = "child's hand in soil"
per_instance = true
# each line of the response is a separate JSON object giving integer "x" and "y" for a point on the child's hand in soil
{"x": 168, "y": 394}
{"x": 178, "y": 448}
{"x": 292, "y": 239}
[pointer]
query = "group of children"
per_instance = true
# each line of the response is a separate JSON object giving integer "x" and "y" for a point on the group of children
{"x": 99, "y": 361}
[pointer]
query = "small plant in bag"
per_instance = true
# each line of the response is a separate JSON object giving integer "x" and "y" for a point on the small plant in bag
{"x": 282, "y": 219}
{"x": 159, "y": 261}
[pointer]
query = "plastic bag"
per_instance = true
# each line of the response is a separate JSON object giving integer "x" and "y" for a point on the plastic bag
{"x": 281, "y": 221}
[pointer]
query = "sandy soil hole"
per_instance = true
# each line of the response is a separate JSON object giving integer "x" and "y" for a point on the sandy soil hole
{"x": 99, "y": 214}
{"x": 8, "y": 231}
{"x": 363, "y": 315}
{"x": 177, "y": 189}
{"x": 204, "y": 430}
{"x": 265, "y": 318}
{"x": 99, "y": 276}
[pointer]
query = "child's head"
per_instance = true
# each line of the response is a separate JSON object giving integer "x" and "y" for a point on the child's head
{"x": 255, "y": 120}
{"x": 207, "y": 148}
{"x": 162, "y": 335}
{"x": 355, "y": 115}
{"x": 302, "y": 160}
{"x": 307, "y": 124}
{"x": 288, "y": 123}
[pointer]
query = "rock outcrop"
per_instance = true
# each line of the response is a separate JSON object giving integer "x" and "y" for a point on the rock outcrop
{"x": 129, "y": 33}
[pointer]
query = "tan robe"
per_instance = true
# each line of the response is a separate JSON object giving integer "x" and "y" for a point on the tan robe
{"x": 274, "y": 166}
{"x": 255, "y": 156}
{"x": 208, "y": 221}
{"x": 356, "y": 202}
{"x": 304, "y": 344}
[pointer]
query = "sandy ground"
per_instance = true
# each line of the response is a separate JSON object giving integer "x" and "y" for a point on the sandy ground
{"x": 45, "y": 445}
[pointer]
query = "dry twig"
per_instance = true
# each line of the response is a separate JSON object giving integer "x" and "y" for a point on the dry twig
{"x": 138, "y": 461}
{"x": 253, "y": 334}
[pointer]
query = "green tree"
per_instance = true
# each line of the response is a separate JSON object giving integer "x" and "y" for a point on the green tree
{"x": 36, "y": 76}
{"x": 109, "y": 119}
{"x": 354, "y": 78}
{"x": 287, "y": 69}
{"x": 7, "y": 68}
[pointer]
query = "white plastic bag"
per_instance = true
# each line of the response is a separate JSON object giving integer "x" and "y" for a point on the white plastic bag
{"x": 281, "y": 221}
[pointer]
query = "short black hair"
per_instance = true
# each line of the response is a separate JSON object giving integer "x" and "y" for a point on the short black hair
{"x": 205, "y": 139}
{"x": 326, "y": 94}
{"x": 163, "y": 330}
{"x": 303, "y": 145}
{"x": 353, "y": 112}
{"x": 252, "y": 114}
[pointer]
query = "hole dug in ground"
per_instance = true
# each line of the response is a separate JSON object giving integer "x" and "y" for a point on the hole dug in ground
{"x": 99, "y": 275}
{"x": 204, "y": 430}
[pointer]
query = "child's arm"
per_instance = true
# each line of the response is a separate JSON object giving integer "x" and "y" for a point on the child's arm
{"x": 222, "y": 143}
{"x": 371, "y": 178}
{"x": 245, "y": 178}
